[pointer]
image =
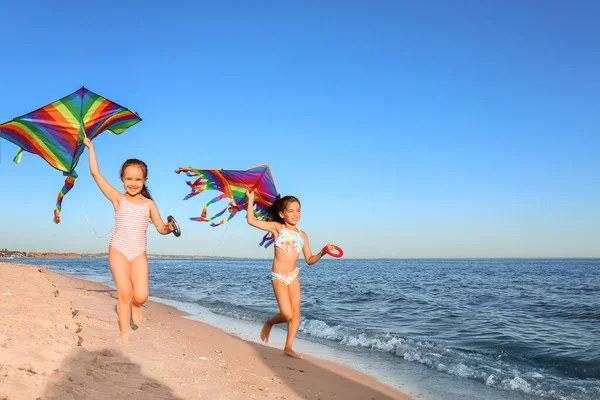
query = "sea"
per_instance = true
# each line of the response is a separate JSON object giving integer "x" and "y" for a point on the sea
{"x": 432, "y": 328}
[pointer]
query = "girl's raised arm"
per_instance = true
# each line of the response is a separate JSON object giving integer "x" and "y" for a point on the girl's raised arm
{"x": 110, "y": 192}
{"x": 273, "y": 227}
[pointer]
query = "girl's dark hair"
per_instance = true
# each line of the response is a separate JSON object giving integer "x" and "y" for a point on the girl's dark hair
{"x": 279, "y": 206}
{"x": 138, "y": 163}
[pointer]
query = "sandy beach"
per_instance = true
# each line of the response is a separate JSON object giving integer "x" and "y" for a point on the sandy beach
{"x": 57, "y": 342}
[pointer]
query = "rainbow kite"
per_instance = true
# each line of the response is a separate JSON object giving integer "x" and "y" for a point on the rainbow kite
{"x": 233, "y": 185}
{"x": 55, "y": 132}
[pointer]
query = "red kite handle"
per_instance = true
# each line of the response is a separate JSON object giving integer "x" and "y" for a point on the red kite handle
{"x": 339, "y": 253}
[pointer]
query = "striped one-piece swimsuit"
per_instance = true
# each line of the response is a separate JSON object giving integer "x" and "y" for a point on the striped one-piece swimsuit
{"x": 131, "y": 224}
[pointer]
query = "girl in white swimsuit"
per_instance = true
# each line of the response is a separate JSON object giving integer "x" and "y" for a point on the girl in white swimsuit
{"x": 127, "y": 248}
{"x": 289, "y": 243}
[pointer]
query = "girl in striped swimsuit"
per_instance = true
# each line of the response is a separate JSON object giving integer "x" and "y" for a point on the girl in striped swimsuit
{"x": 289, "y": 243}
{"x": 127, "y": 248}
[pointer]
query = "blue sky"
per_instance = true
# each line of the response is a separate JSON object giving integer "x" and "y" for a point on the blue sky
{"x": 407, "y": 129}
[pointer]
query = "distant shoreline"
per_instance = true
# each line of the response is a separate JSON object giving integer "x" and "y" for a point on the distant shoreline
{"x": 67, "y": 255}
{"x": 15, "y": 254}
{"x": 9, "y": 254}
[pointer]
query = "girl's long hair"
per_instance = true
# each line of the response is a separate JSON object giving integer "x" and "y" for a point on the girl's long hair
{"x": 279, "y": 205}
{"x": 144, "y": 167}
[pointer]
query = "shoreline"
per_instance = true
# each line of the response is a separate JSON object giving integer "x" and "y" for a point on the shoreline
{"x": 248, "y": 331}
{"x": 58, "y": 340}
{"x": 50, "y": 255}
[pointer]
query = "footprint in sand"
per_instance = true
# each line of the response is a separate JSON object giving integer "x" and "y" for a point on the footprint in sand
{"x": 107, "y": 353}
{"x": 124, "y": 367}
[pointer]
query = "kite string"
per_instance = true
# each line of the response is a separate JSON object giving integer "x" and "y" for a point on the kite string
{"x": 220, "y": 241}
{"x": 90, "y": 224}
{"x": 87, "y": 219}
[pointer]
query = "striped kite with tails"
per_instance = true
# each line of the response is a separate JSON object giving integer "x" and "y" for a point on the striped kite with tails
{"x": 233, "y": 185}
{"x": 55, "y": 132}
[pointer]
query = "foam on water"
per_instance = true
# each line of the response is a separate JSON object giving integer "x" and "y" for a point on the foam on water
{"x": 494, "y": 369}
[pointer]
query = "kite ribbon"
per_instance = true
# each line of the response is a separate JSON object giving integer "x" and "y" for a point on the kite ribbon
{"x": 267, "y": 240}
{"x": 69, "y": 182}
{"x": 18, "y": 157}
{"x": 232, "y": 208}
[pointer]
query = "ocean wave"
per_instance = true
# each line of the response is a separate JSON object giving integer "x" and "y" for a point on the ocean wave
{"x": 495, "y": 369}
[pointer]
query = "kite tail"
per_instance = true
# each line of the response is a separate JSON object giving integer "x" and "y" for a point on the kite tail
{"x": 19, "y": 155}
{"x": 69, "y": 182}
{"x": 216, "y": 199}
{"x": 267, "y": 240}
{"x": 203, "y": 218}
{"x": 232, "y": 211}
{"x": 197, "y": 187}
{"x": 262, "y": 215}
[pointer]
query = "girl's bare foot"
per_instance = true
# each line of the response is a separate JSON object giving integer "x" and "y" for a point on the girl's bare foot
{"x": 266, "y": 331}
{"x": 123, "y": 339}
{"x": 136, "y": 314}
{"x": 291, "y": 353}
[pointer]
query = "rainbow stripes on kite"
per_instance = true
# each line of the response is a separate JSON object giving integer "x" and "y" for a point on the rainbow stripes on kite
{"x": 233, "y": 185}
{"x": 55, "y": 132}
